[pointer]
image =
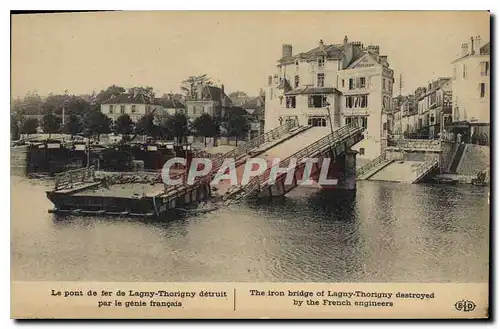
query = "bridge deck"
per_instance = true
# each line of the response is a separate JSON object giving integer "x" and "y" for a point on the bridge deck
{"x": 282, "y": 150}
{"x": 295, "y": 144}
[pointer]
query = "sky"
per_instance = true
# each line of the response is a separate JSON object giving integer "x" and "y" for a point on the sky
{"x": 82, "y": 52}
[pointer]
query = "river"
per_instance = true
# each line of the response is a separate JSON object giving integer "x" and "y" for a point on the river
{"x": 382, "y": 232}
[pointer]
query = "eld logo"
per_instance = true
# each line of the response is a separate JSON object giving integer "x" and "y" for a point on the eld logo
{"x": 465, "y": 306}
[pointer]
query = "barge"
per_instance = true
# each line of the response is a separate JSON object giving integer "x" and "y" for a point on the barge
{"x": 80, "y": 192}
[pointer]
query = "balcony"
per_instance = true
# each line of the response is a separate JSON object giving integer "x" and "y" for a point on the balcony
{"x": 355, "y": 111}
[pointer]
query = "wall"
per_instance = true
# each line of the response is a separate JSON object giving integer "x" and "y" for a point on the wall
{"x": 140, "y": 110}
{"x": 466, "y": 92}
{"x": 371, "y": 144}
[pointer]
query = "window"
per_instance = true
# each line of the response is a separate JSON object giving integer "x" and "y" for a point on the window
{"x": 317, "y": 121}
{"x": 122, "y": 109}
{"x": 148, "y": 109}
{"x": 317, "y": 101}
{"x": 111, "y": 109}
{"x": 361, "y": 151}
{"x": 358, "y": 101}
{"x": 385, "y": 126}
{"x": 342, "y": 83}
{"x": 321, "y": 79}
{"x": 321, "y": 61}
{"x": 362, "y": 82}
{"x": 383, "y": 84}
{"x": 485, "y": 68}
{"x": 482, "y": 87}
{"x": 364, "y": 122}
{"x": 133, "y": 109}
{"x": 290, "y": 102}
{"x": 351, "y": 84}
{"x": 296, "y": 63}
{"x": 297, "y": 81}
{"x": 464, "y": 71}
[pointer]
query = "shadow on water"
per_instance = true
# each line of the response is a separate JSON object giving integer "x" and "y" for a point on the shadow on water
{"x": 323, "y": 204}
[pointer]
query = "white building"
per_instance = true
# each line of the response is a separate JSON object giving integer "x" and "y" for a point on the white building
{"x": 471, "y": 86}
{"x": 347, "y": 80}
{"x": 138, "y": 105}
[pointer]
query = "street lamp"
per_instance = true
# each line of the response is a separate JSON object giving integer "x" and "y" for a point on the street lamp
{"x": 329, "y": 116}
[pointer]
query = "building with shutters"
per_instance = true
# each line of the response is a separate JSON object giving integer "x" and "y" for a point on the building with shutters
{"x": 339, "y": 82}
{"x": 471, "y": 88}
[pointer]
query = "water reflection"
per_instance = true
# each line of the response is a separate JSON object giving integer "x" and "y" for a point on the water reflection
{"x": 381, "y": 232}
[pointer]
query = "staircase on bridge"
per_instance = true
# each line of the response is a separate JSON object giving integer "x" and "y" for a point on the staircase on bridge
{"x": 456, "y": 158}
{"x": 307, "y": 147}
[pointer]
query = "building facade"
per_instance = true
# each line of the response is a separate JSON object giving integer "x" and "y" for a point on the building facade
{"x": 207, "y": 99}
{"x": 339, "y": 82}
{"x": 138, "y": 105}
{"x": 471, "y": 87}
{"x": 255, "y": 108}
{"x": 425, "y": 113}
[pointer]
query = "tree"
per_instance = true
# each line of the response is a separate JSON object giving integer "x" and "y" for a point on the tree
{"x": 51, "y": 124}
{"x": 73, "y": 126}
{"x": 205, "y": 126}
{"x": 176, "y": 126}
{"x": 145, "y": 91}
{"x": 109, "y": 92}
{"x": 188, "y": 85}
{"x": 96, "y": 123}
{"x": 29, "y": 126}
{"x": 29, "y": 104}
{"x": 237, "y": 126}
{"x": 124, "y": 125}
{"x": 14, "y": 128}
{"x": 145, "y": 126}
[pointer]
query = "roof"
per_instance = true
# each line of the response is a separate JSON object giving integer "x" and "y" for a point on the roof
{"x": 214, "y": 94}
{"x": 313, "y": 90}
{"x": 329, "y": 51}
{"x": 169, "y": 103}
{"x": 128, "y": 98}
{"x": 254, "y": 103}
{"x": 485, "y": 50}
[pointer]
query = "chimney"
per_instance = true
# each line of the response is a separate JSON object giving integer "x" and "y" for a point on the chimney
{"x": 321, "y": 43}
{"x": 222, "y": 87}
{"x": 287, "y": 50}
{"x": 471, "y": 45}
{"x": 345, "y": 40}
{"x": 477, "y": 42}
{"x": 465, "y": 49}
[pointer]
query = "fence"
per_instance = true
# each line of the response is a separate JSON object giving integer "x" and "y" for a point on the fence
{"x": 317, "y": 147}
{"x": 68, "y": 178}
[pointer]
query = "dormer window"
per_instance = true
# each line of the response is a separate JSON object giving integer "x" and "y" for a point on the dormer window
{"x": 321, "y": 61}
{"x": 296, "y": 63}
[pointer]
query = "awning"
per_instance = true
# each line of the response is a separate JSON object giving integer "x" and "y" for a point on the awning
{"x": 312, "y": 90}
{"x": 458, "y": 124}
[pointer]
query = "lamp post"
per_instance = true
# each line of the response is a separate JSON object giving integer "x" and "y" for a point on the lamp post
{"x": 329, "y": 116}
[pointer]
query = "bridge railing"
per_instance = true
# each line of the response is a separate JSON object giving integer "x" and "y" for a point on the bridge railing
{"x": 383, "y": 157}
{"x": 238, "y": 151}
{"x": 426, "y": 166}
{"x": 68, "y": 178}
{"x": 326, "y": 142}
{"x": 418, "y": 144}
